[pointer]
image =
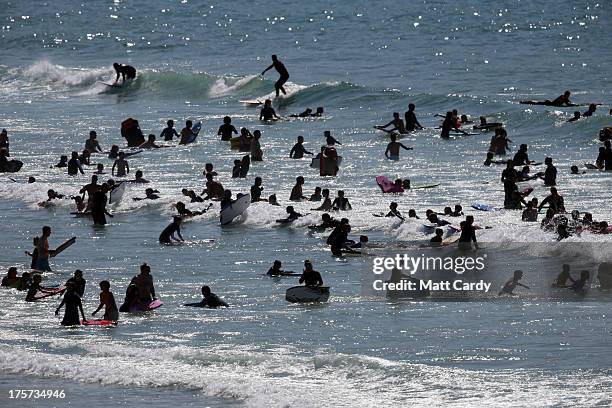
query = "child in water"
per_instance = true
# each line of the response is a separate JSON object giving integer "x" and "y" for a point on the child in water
{"x": 107, "y": 301}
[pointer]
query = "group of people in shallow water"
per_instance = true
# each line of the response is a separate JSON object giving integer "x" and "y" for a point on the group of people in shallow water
{"x": 94, "y": 199}
{"x": 139, "y": 294}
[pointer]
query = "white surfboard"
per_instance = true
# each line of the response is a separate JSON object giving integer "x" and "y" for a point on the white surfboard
{"x": 307, "y": 294}
{"x": 252, "y": 102}
{"x": 117, "y": 194}
{"x": 236, "y": 209}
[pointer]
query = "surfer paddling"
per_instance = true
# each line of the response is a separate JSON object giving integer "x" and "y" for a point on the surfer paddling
{"x": 282, "y": 71}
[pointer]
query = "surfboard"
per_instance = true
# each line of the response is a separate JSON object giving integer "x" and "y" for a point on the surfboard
{"x": 591, "y": 166}
{"x": 197, "y": 304}
{"x": 451, "y": 240}
{"x": 52, "y": 292}
{"x": 484, "y": 207}
{"x": 252, "y": 102}
{"x": 145, "y": 307}
{"x": 237, "y": 208}
{"x": 386, "y": 185}
{"x": 62, "y": 247}
{"x": 604, "y": 274}
{"x": 117, "y": 194}
{"x": 431, "y": 185}
{"x": 196, "y": 130}
{"x": 429, "y": 228}
{"x": 111, "y": 85}
{"x": 315, "y": 163}
{"x": 307, "y": 294}
{"x": 98, "y": 322}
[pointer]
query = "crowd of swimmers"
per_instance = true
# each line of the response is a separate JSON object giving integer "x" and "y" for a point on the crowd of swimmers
{"x": 93, "y": 198}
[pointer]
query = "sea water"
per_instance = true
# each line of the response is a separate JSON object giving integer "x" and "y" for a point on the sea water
{"x": 361, "y": 61}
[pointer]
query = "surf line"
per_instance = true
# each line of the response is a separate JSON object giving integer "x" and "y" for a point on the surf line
{"x": 444, "y": 285}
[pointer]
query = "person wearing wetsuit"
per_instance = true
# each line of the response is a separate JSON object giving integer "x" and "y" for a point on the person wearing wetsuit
{"x": 125, "y": 71}
{"x": 211, "y": 300}
{"x": 276, "y": 270}
{"x": 298, "y": 150}
{"x": 410, "y": 119}
{"x": 98, "y": 207}
{"x": 73, "y": 304}
{"x": 282, "y": 71}
{"x": 78, "y": 282}
{"x": 468, "y": 233}
{"x": 256, "y": 190}
{"x": 310, "y": 277}
{"x": 521, "y": 158}
{"x": 268, "y": 113}
{"x": 226, "y": 129}
{"x": 169, "y": 132}
{"x": 167, "y": 235}
{"x": 550, "y": 174}
{"x": 337, "y": 239}
{"x": 74, "y": 165}
{"x": 555, "y": 202}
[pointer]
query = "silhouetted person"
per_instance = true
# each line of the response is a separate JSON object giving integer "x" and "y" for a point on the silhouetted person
{"x": 282, "y": 71}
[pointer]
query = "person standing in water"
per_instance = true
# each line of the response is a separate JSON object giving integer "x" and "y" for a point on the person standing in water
{"x": 127, "y": 72}
{"x": 282, "y": 71}
{"x": 410, "y": 119}
{"x": 393, "y": 148}
{"x": 73, "y": 304}
{"x": 107, "y": 301}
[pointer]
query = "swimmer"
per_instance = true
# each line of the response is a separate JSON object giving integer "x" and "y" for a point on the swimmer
{"x": 74, "y": 165}
{"x": 437, "y": 238}
{"x": 91, "y": 144}
{"x": 187, "y": 133}
{"x": 268, "y": 113}
{"x": 122, "y": 166}
{"x": 107, "y": 301}
{"x": 276, "y": 270}
{"x": 310, "y": 277}
{"x": 226, "y": 129}
{"x": 167, "y": 235}
{"x": 411, "y": 120}
{"x": 398, "y": 125}
{"x": 138, "y": 178}
{"x": 341, "y": 203}
{"x": 298, "y": 150}
{"x": 327, "y": 203}
{"x": 292, "y": 215}
{"x": 508, "y": 288}
{"x": 211, "y": 300}
{"x": 394, "y": 212}
{"x": 169, "y": 132}
{"x": 150, "y": 194}
{"x": 256, "y": 190}
{"x": 393, "y": 149}
{"x": 296, "y": 191}
{"x": 73, "y": 304}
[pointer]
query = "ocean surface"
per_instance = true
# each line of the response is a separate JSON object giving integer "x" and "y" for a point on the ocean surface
{"x": 361, "y": 61}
